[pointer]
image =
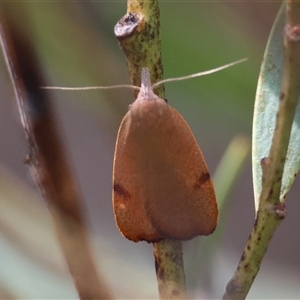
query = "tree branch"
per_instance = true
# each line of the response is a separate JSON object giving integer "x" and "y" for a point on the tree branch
{"x": 271, "y": 210}
{"x": 47, "y": 158}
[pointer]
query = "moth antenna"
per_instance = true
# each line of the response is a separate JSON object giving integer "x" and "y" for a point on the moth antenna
{"x": 146, "y": 84}
{"x": 199, "y": 74}
{"x": 90, "y": 87}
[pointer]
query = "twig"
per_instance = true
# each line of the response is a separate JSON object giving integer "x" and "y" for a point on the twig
{"x": 169, "y": 266}
{"x": 271, "y": 211}
{"x": 139, "y": 35}
{"x": 47, "y": 157}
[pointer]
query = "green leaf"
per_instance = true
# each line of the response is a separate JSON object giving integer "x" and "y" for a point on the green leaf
{"x": 266, "y": 107}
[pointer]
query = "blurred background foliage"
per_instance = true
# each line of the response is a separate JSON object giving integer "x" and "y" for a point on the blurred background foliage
{"x": 77, "y": 47}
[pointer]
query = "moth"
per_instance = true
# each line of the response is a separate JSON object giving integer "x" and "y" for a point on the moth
{"x": 161, "y": 184}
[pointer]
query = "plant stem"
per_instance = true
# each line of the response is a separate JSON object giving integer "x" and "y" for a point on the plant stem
{"x": 47, "y": 158}
{"x": 169, "y": 269}
{"x": 271, "y": 210}
{"x": 139, "y": 35}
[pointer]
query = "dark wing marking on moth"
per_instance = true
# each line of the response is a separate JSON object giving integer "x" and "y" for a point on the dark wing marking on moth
{"x": 202, "y": 179}
{"x": 121, "y": 191}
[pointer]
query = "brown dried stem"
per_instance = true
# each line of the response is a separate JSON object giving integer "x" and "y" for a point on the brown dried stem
{"x": 47, "y": 157}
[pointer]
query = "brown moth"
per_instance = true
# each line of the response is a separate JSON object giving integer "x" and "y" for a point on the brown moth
{"x": 161, "y": 183}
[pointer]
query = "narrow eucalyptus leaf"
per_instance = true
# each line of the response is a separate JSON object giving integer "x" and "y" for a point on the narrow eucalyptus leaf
{"x": 265, "y": 110}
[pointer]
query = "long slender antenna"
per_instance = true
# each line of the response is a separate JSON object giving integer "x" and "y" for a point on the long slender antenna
{"x": 90, "y": 87}
{"x": 138, "y": 88}
{"x": 199, "y": 74}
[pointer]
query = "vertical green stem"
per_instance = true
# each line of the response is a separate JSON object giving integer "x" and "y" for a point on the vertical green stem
{"x": 139, "y": 35}
{"x": 271, "y": 211}
{"x": 169, "y": 269}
